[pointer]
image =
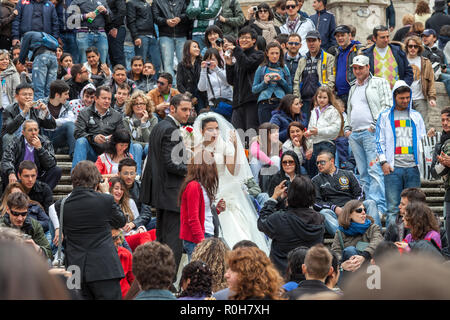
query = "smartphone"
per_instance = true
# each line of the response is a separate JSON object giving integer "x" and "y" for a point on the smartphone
{"x": 287, "y": 183}
{"x": 219, "y": 42}
{"x": 36, "y": 104}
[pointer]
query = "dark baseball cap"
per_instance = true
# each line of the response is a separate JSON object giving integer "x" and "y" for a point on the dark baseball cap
{"x": 342, "y": 29}
{"x": 428, "y": 32}
{"x": 313, "y": 34}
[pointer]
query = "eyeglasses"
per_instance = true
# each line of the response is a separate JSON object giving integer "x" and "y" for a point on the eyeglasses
{"x": 140, "y": 105}
{"x": 288, "y": 162}
{"x": 291, "y": 6}
{"x": 293, "y": 43}
{"x": 360, "y": 210}
{"x": 160, "y": 83}
{"x": 128, "y": 173}
{"x": 283, "y": 7}
{"x": 116, "y": 237}
{"x": 415, "y": 46}
{"x": 16, "y": 213}
{"x": 321, "y": 162}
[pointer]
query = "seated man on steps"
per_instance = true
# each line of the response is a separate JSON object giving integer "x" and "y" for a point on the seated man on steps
{"x": 35, "y": 148}
{"x": 35, "y": 189}
{"x": 127, "y": 172}
{"x": 334, "y": 188}
{"x": 94, "y": 127}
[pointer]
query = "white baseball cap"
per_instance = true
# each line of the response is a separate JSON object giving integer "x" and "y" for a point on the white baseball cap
{"x": 361, "y": 61}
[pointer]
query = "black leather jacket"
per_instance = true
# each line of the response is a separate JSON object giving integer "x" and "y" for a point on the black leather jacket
{"x": 140, "y": 18}
{"x": 168, "y": 9}
{"x": 119, "y": 10}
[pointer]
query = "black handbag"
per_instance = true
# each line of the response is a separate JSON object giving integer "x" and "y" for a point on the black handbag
{"x": 220, "y": 105}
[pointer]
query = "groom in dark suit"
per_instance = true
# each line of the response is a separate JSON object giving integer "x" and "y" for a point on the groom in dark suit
{"x": 165, "y": 171}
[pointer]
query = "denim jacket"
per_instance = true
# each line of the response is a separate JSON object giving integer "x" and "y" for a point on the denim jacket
{"x": 278, "y": 88}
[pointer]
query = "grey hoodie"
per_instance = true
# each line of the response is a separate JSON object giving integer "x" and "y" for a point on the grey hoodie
{"x": 10, "y": 79}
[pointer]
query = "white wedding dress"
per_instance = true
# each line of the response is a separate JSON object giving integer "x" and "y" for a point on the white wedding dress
{"x": 239, "y": 221}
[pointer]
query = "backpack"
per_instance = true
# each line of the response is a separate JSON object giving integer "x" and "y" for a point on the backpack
{"x": 49, "y": 41}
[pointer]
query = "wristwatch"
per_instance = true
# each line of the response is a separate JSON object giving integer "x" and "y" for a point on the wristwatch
{"x": 382, "y": 163}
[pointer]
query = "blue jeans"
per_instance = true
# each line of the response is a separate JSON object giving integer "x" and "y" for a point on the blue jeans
{"x": 116, "y": 52}
{"x": 445, "y": 78}
{"x": 265, "y": 111}
{"x": 190, "y": 246}
{"x": 331, "y": 218}
{"x": 62, "y": 136}
{"x": 45, "y": 68}
{"x": 138, "y": 154}
{"x": 69, "y": 40}
{"x": 83, "y": 151}
{"x": 149, "y": 51}
{"x": 371, "y": 176}
{"x": 395, "y": 183}
{"x": 170, "y": 47}
{"x": 201, "y": 41}
{"x": 95, "y": 39}
{"x": 129, "y": 54}
{"x": 349, "y": 252}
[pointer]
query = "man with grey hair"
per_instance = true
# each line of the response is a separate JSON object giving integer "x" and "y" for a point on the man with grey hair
{"x": 368, "y": 97}
{"x": 32, "y": 146}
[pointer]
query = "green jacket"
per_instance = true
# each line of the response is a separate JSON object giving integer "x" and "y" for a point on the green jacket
{"x": 372, "y": 235}
{"x": 202, "y": 15}
{"x": 235, "y": 19}
{"x": 253, "y": 188}
{"x": 33, "y": 228}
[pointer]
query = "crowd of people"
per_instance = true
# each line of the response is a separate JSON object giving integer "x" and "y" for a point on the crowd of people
{"x": 240, "y": 139}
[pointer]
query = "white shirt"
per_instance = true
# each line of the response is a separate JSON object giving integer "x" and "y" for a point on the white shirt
{"x": 382, "y": 51}
{"x": 209, "y": 225}
{"x": 416, "y": 86}
{"x": 361, "y": 117}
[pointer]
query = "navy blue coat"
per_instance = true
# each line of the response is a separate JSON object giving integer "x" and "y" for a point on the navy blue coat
{"x": 405, "y": 71}
{"x": 282, "y": 120}
{"x": 325, "y": 23}
{"x": 24, "y": 20}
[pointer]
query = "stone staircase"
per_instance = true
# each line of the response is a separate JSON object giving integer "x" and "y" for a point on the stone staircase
{"x": 65, "y": 184}
{"x": 433, "y": 190}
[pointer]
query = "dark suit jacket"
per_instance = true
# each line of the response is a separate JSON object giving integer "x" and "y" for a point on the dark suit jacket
{"x": 87, "y": 222}
{"x": 163, "y": 177}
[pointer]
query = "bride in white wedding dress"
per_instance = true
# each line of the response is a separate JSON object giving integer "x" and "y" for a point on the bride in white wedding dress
{"x": 239, "y": 221}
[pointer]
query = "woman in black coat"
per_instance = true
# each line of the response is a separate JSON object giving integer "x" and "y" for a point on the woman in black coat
{"x": 188, "y": 74}
{"x": 298, "y": 225}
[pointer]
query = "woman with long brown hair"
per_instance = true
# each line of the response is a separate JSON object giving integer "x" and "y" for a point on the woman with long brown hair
{"x": 188, "y": 73}
{"x": 252, "y": 276}
{"x": 198, "y": 217}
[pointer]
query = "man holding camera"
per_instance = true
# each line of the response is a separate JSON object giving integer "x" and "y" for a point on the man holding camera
{"x": 94, "y": 127}
{"x": 15, "y": 114}
{"x": 334, "y": 188}
{"x": 17, "y": 218}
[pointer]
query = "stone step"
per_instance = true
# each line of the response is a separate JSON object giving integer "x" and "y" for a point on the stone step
{"x": 63, "y": 157}
{"x": 62, "y": 189}
{"x": 431, "y": 183}
{"x": 65, "y": 167}
{"x": 433, "y": 191}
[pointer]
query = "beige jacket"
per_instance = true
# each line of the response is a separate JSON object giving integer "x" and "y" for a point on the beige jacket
{"x": 325, "y": 66}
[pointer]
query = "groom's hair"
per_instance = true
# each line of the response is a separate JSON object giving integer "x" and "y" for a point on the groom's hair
{"x": 178, "y": 98}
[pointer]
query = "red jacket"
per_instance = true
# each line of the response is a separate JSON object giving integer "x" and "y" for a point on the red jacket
{"x": 192, "y": 213}
{"x": 126, "y": 257}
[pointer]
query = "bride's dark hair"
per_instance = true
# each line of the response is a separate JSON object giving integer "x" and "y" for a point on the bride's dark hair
{"x": 202, "y": 168}
{"x": 208, "y": 120}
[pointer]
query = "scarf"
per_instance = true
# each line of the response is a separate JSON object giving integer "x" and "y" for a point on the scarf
{"x": 291, "y": 24}
{"x": 268, "y": 30}
{"x": 356, "y": 228}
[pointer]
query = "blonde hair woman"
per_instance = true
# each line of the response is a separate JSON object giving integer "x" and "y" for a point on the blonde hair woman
{"x": 139, "y": 120}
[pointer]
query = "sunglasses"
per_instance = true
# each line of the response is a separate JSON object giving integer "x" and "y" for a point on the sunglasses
{"x": 360, "y": 210}
{"x": 293, "y": 43}
{"x": 16, "y": 213}
{"x": 321, "y": 162}
{"x": 415, "y": 46}
{"x": 263, "y": 10}
{"x": 116, "y": 237}
{"x": 288, "y": 162}
{"x": 291, "y": 6}
{"x": 160, "y": 83}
